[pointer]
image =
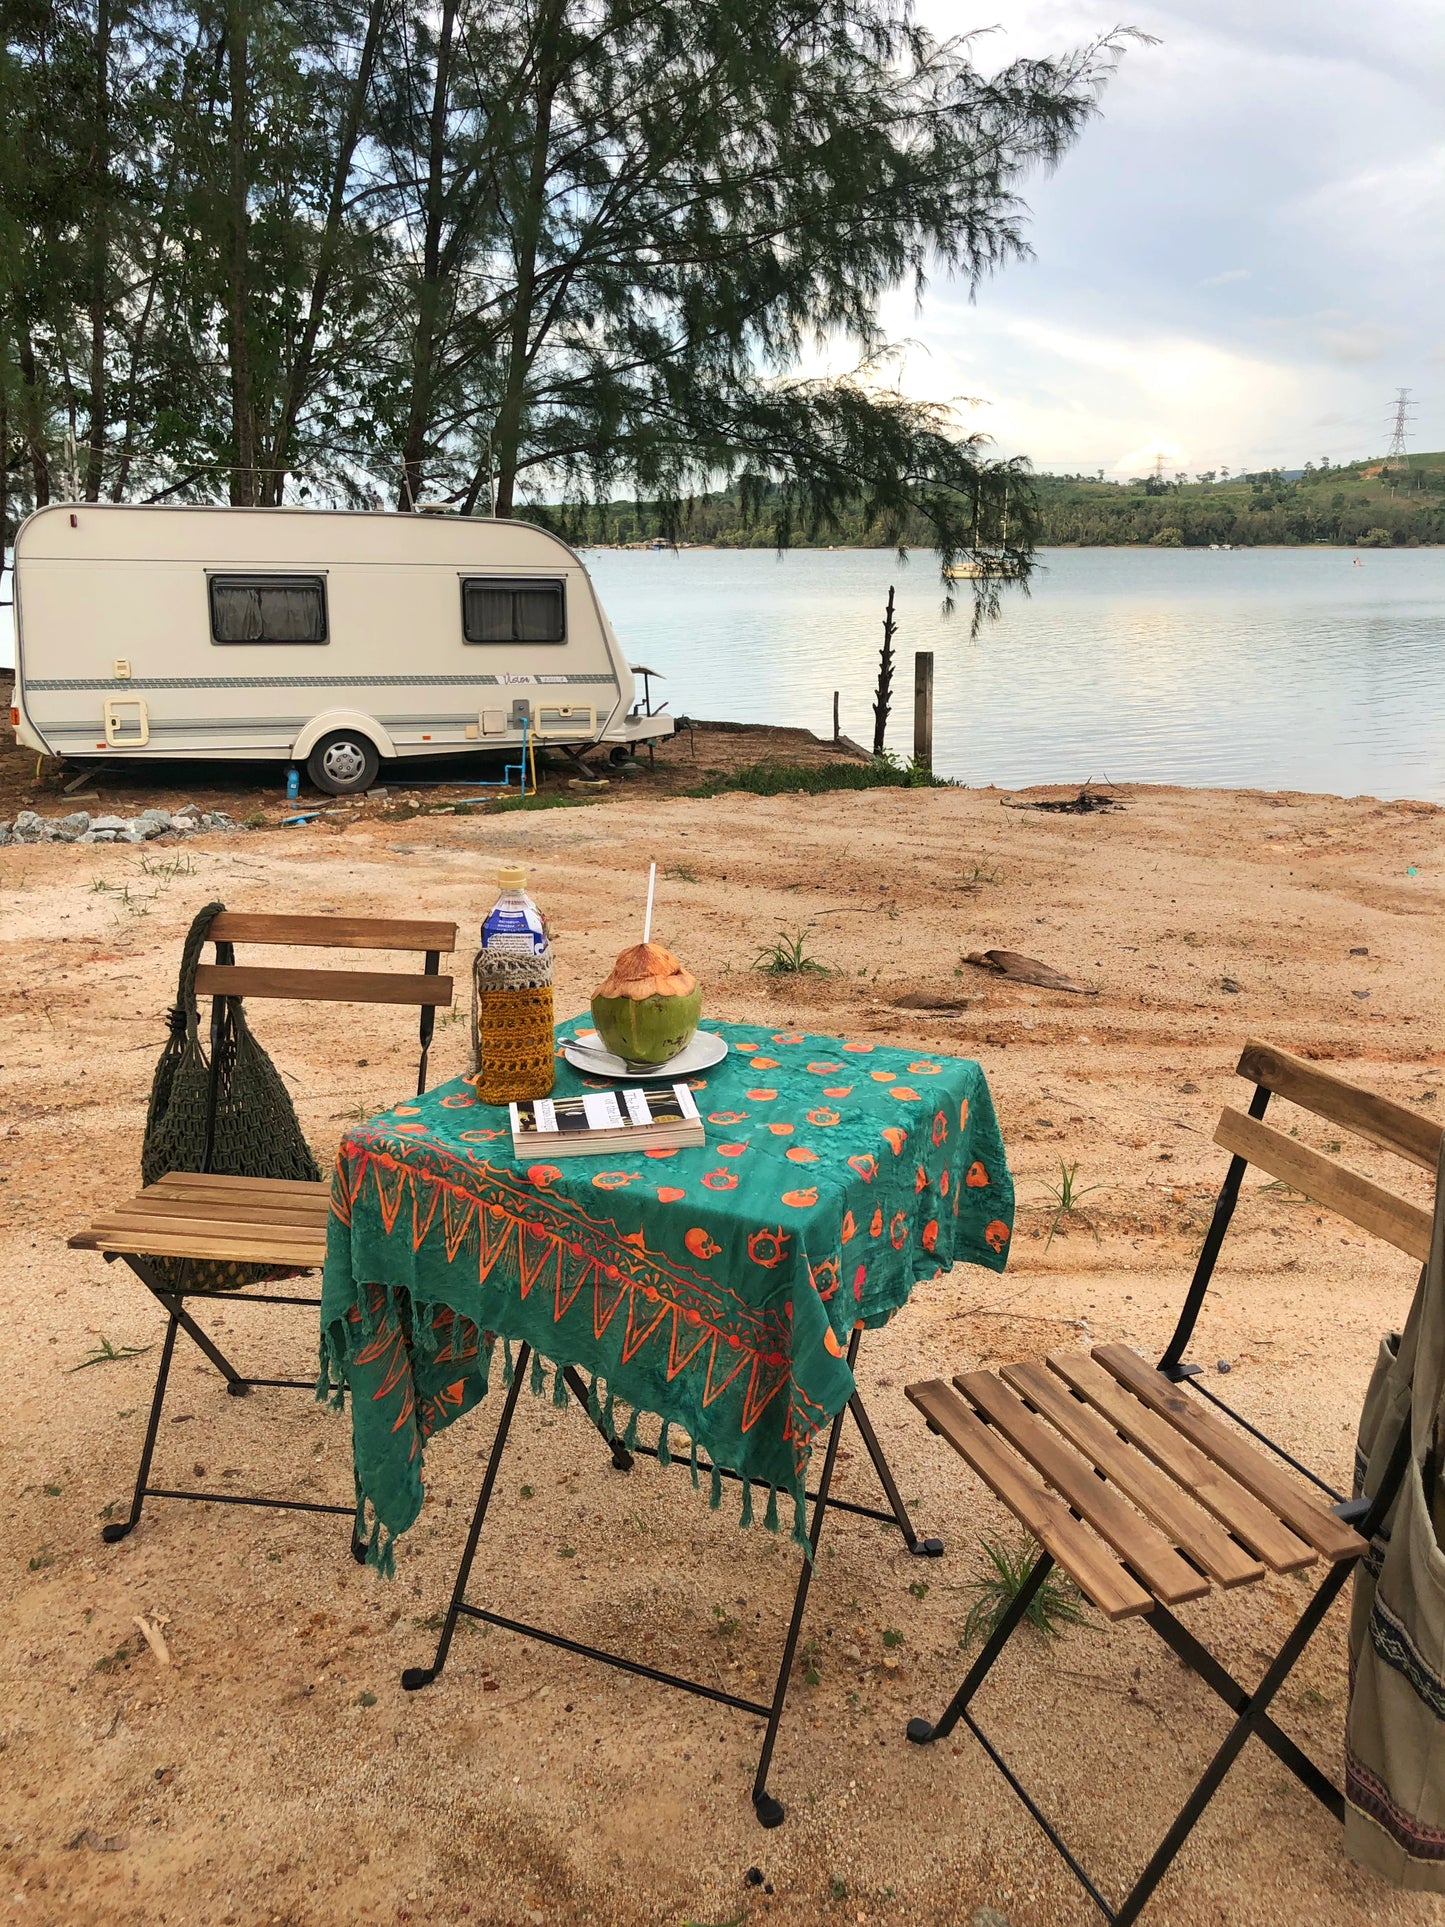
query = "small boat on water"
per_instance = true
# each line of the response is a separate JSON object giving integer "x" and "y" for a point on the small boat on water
{"x": 974, "y": 566}
{"x": 985, "y": 563}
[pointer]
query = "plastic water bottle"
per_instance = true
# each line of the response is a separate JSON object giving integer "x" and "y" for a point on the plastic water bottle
{"x": 512, "y": 997}
{"x": 514, "y": 925}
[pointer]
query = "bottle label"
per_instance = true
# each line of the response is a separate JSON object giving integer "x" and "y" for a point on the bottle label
{"x": 519, "y": 932}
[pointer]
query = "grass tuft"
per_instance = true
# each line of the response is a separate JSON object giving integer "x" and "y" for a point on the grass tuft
{"x": 783, "y": 779}
{"x": 788, "y": 956}
{"x": 1066, "y": 1194}
{"x": 105, "y": 1353}
{"x": 543, "y": 800}
{"x": 1057, "y": 1603}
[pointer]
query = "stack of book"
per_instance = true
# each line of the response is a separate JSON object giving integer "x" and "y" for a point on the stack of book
{"x": 604, "y": 1123}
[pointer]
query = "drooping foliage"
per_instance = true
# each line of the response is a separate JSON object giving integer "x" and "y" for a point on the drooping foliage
{"x": 519, "y": 256}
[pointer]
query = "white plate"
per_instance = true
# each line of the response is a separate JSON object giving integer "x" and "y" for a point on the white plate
{"x": 584, "y": 1052}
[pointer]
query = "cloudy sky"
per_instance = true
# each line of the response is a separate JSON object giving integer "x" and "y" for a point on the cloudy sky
{"x": 1239, "y": 263}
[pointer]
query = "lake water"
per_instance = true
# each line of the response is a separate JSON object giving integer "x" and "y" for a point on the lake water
{"x": 1267, "y": 668}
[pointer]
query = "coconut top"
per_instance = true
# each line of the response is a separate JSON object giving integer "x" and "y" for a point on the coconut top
{"x": 647, "y": 970}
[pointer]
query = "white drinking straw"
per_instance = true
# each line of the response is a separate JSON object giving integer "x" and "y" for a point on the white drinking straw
{"x": 647, "y": 920}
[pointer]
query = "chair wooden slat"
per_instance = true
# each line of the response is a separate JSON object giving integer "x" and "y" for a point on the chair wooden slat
{"x": 197, "y": 1240}
{"x": 1116, "y": 1593}
{"x": 322, "y": 986}
{"x": 1363, "y": 1203}
{"x": 339, "y": 933}
{"x": 1379, "y": 1120}
{"x": 201, "y": 1220}
{"x": 1124, "y": 1465}
{"x": 1312, "y": 1520}
{"x": 1143, "y": 1549}
{"x": 145, "y": 1239}
{"x": 293, "y": 1214}
{"x": 1235, "y": 1508}
{"x": 220, "y": 1184}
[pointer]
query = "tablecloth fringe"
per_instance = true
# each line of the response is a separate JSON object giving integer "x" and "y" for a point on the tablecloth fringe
{"x": 342, "y": 1337}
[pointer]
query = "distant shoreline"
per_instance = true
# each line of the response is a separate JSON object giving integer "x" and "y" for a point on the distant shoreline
{"x": 888, "y": 548}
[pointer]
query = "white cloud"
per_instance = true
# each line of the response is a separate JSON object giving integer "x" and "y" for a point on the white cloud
{"x": 1077, "y": 398}
{"x": 1368, "y": 342}
{"x": 1251, "y": 136}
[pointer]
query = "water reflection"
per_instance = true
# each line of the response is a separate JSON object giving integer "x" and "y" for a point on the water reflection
{"x": 1269, "y": 668}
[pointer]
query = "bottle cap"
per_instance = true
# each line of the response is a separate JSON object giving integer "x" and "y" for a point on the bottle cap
{"x": 512, "y": 876}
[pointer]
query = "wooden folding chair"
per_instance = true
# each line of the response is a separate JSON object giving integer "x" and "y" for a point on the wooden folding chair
{"x": 1145, "y": 1496}
{"x": 194, "y": 1216}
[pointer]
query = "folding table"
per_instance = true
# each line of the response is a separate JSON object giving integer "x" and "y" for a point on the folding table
{"x": 722, "y": 1290}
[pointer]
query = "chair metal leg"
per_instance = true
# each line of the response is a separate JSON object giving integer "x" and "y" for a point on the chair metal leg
{"x": 577, "y": 1385}
{"x": 771, "y": 1812}
{"x": 1252, "y": 1710}
{"x": 1248, "y": 1722}
{"x": 922, "y": 1731}
{"x": 117, "y": 1531}
{"x": 236, "y": 1385}
{"x": 920, "y": 1548}
{"x": 415, "y": 1677}
{"x": 1237, "y": 1699}
{"x": 173, "y": 1302}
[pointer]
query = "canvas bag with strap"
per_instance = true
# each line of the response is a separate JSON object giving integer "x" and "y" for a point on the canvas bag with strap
{"x": 1395, "y": 1729}
{"x": 255, "y": 1132}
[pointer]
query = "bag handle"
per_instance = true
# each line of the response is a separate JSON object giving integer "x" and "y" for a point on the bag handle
{"x": 190, "y": 959}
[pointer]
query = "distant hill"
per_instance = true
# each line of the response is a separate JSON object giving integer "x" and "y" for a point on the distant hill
{"x": 1362, "y": 504}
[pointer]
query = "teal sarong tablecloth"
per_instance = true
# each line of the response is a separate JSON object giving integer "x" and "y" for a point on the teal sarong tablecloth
{"x": 713, "y": 1288}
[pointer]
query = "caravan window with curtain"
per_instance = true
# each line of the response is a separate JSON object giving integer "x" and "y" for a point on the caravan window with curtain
{"x": 514, "y": 609}
{"x": 268, "y": 608}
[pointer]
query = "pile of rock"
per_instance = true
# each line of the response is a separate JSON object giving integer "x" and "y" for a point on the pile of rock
{"x": 81, "y": 827}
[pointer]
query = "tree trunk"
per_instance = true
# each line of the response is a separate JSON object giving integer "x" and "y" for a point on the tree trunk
{"x": 161, "y": 240}
{"x": 4, "y": 476}
{"x": 100, "y": 211}
{"x": 298, "y": 386}
{"x": 429, "y": 295}
{"x": 527, "y": 234}
{"x": 882, "y": 701}
{"x": 34, "y": 428}
{"x": 238, "y": 347}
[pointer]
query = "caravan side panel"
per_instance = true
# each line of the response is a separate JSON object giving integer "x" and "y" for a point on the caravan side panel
{"x": 130, "y": 642}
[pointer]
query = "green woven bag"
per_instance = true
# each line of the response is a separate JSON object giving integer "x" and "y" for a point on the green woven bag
{"x": 255, "y": 1134}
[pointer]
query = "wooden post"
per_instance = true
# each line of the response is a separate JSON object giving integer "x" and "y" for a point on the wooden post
{"x": 837, "y": 730}
{"x": 923, "y": 709}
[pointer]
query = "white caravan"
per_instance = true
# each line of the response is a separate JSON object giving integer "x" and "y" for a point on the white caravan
{"x": 328, "y": 637}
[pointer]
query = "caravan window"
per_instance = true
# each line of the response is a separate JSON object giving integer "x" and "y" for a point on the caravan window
{"x": 268, "y": 608}
{"x": 513, "y": 609}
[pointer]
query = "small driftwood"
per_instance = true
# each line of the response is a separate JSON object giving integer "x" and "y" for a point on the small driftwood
{"x": 1086, "y": 803}
{"x": 943, "y": 1001}
{"x": 154, "y": 1638}
{"x": 1026, "y": 970}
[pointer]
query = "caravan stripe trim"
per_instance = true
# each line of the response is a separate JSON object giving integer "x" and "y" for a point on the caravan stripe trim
{"x": 120, "y": 687}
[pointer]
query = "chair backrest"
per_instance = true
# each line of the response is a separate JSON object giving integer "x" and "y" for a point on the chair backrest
{"x": 1378, "y": 1120}
{"x": 1364, "y": 1203}
{"x": 426, "y": 988}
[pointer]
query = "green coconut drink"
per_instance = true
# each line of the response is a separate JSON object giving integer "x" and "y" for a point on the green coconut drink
{"x": 648, "y": 1008}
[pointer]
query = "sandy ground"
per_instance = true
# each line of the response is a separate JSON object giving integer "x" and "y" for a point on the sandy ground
{"x": 275, "y": 1772}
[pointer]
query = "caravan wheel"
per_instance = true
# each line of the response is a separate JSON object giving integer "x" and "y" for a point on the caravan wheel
{"x": 343, "y": 764}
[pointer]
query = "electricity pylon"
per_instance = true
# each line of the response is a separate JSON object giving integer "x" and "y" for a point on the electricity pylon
{"x": 1397, "y": 450}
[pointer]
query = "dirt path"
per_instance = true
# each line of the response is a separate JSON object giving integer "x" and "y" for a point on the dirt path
{"x": 274, "y": 1772}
